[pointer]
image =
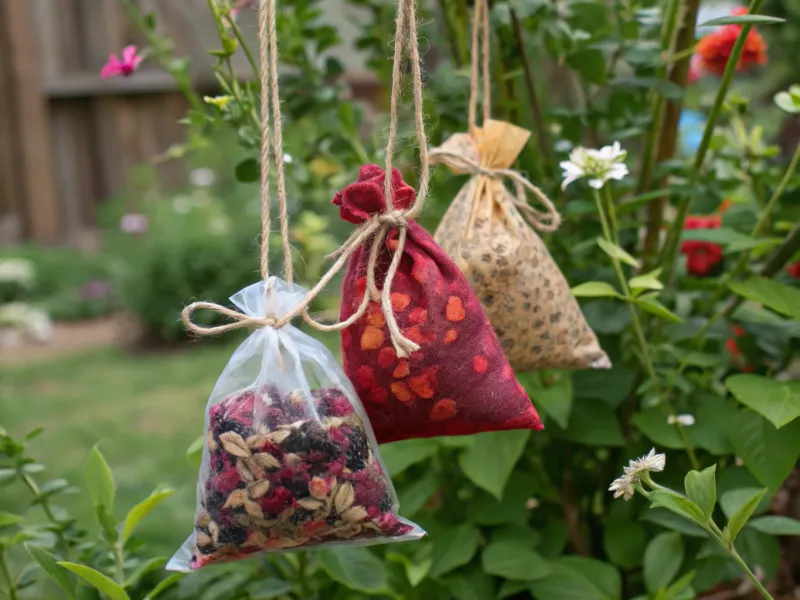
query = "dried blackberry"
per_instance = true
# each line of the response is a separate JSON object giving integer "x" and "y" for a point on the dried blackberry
{"x": 357, "y": 452}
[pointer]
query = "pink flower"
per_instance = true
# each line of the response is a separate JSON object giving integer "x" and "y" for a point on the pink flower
{"x": 696, "y": 70}
{"x": 240, "y": 4}
{"x": 131, "y": 59}
{"x": 134, "y": 223}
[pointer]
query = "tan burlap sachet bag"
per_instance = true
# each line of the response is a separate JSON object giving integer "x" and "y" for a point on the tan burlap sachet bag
{"x": 526, "y": 297}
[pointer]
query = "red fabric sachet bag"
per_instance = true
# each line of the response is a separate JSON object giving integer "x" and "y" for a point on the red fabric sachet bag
{"x": 459, "y": 382}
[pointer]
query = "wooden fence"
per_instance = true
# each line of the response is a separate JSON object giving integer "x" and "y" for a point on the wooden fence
{"x": 68, "y": 139}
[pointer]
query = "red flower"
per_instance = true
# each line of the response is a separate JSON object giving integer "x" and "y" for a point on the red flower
{"x": 131, "y": 59}
{"x": 794, "y": 270}
{"x": 701, "y": 256}
{"x": 359, "y": 201}
{"x": 733, "y": 347}
{"x": 715, "y": 49}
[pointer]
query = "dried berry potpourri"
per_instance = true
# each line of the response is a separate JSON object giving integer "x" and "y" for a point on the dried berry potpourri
{"x": 290, "y": 460}
{"x": 459, "y": 382}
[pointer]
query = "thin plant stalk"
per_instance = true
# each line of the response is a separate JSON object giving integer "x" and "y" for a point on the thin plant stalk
{"x": 713, "y": 530}
{"x": 673, "y": 238}
{"x": 237, "y": 31}
{"x": 29, "y": 483}
{"x": 608, "y": 224}
{"x": 6, "y": 572}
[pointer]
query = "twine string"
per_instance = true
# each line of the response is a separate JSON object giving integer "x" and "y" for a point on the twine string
{"x": 481, "y": 51}
{"x": 373, "y": 231}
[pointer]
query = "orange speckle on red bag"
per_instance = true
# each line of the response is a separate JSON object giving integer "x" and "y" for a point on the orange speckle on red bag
{"x": 417, "y": 316}
{"x": 423, "y": 386}
{"x": 400, "y": 301}
{"x": 401, "y": 370}
{"x": 386, "y": 357}
{"x": 508, "y": 372}
{"x": 419, "y": 272}
{"x": 372, "y": 338}
{"x": 479, "y": 363}
{"x": 416, "y": 335}
{"x": 450, "y": 336}
{"x": 401, "y": 391}
{"x": 366, "y": 377}
{"x": 392, "y": 244}
{"x": 455, "y": 309}
{"x": 374, "y": 315}
{"x": 443, "y": 409}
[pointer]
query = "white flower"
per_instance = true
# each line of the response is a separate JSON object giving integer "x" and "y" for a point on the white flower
{"x": 287, "y": 158}
{"x": 623, "y": 487}
{"x": 685, "y": 420}
{"x": 203, "y": 177}
{"x": 649, "y": 462}
{"x": 598, "y": 165}
{"x": 16, "y": 270}
{"x": 31, "y": 321}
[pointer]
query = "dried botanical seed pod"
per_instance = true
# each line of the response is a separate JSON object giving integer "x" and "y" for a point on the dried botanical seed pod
{"x": 258, "y": 489}
{"x": 266, "y": 460}
{"x": 343, "y": 497}
{"x": 203, "y": 540}
{"x": 235, "y": 499}
{"x": 310, "y": 503}
{"x": 252, "y": 508}
{"x": 354, "y": 514}
{"x": 256, "y": 441}
{"x": 234, "y": 444}
{"x": 276, "y": 437}
{"x": 244, "y": 472}
{"x": 202, "y": 519}
{"x": 211, "y": 442}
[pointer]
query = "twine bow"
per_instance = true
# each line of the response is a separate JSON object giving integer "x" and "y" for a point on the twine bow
{"x": 546, "y": 220}
{"x": 373, "y": 230}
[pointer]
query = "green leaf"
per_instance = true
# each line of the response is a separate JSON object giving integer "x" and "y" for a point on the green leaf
{"x": 662, "y": 560}
{"x": 593, "y": 423}
{"x": 164, "y": 585}
{"x": 100, "y": 481}
{"x": 741, "y": 517}
{"x": 485, "y": 509}
{"x": 154, "y": 564}
{"x": 595, "y": 289}
{"x": 612, "y": 386}
{"x": 248, "y": 171}
{"x": 194, "y": 453}
{"x": 269, "y": 588}
{"x": 615, "y": 251}
{"x": 356, "y": 568}
{"x": 775, "y": 525}
{"x": 453, "y": 548}
{"x": 398, "y": 456}
{"x": 676, "y": 522}
{"x": 677, "y": 504}
{"x": 511, "y": 588}
{"x": 648, "y": 281}
{"x": 760, "y": 550}
{"x": 772, "y": 294}
{"x": 491, "y": 458}
{"x": 7, "y": 519}
{"x": 578, "y": 578}
{"x": 785, "y": 101}
{"x": 513, "y": 560}
{"x": 732, "y": 500}
{"x": 476, "y": 585}
{"x": 97, "y": 580}
{"x": 590, "y": 63}
{"x": 412, "y": 497}
{"x": 678, "y": 589}
{"x": 653, "y": 306}
{"x": 624, "y": 542}
{"x": 768, "y": 453}
{"x": 743, "y": 20}
{"x": 48, "y": 563}
{"x": 701, "y": 488}
{"x": 778, "y": 401}
{"x": 141, "y": 510}
{"x": 555, "y": 399}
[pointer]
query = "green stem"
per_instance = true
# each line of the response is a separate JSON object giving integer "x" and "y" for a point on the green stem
{"x": 12, "y": 586}
{"x": 750, "y": 575}
{"x": 163, "y": 54}
{"x": 674, "y": 236}
{"x": 29, "y": 483}
{"x": 119, "y": 560}
{"x": 610, "y": 234}
{"x": 243, "y": 45}
{"x": 744, "y": 260}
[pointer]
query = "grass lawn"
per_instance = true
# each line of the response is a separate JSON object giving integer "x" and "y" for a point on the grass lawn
{"x": 144, "y": 410}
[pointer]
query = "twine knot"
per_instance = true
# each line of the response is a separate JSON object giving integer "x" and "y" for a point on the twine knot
{"x": 395, "y": 218}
